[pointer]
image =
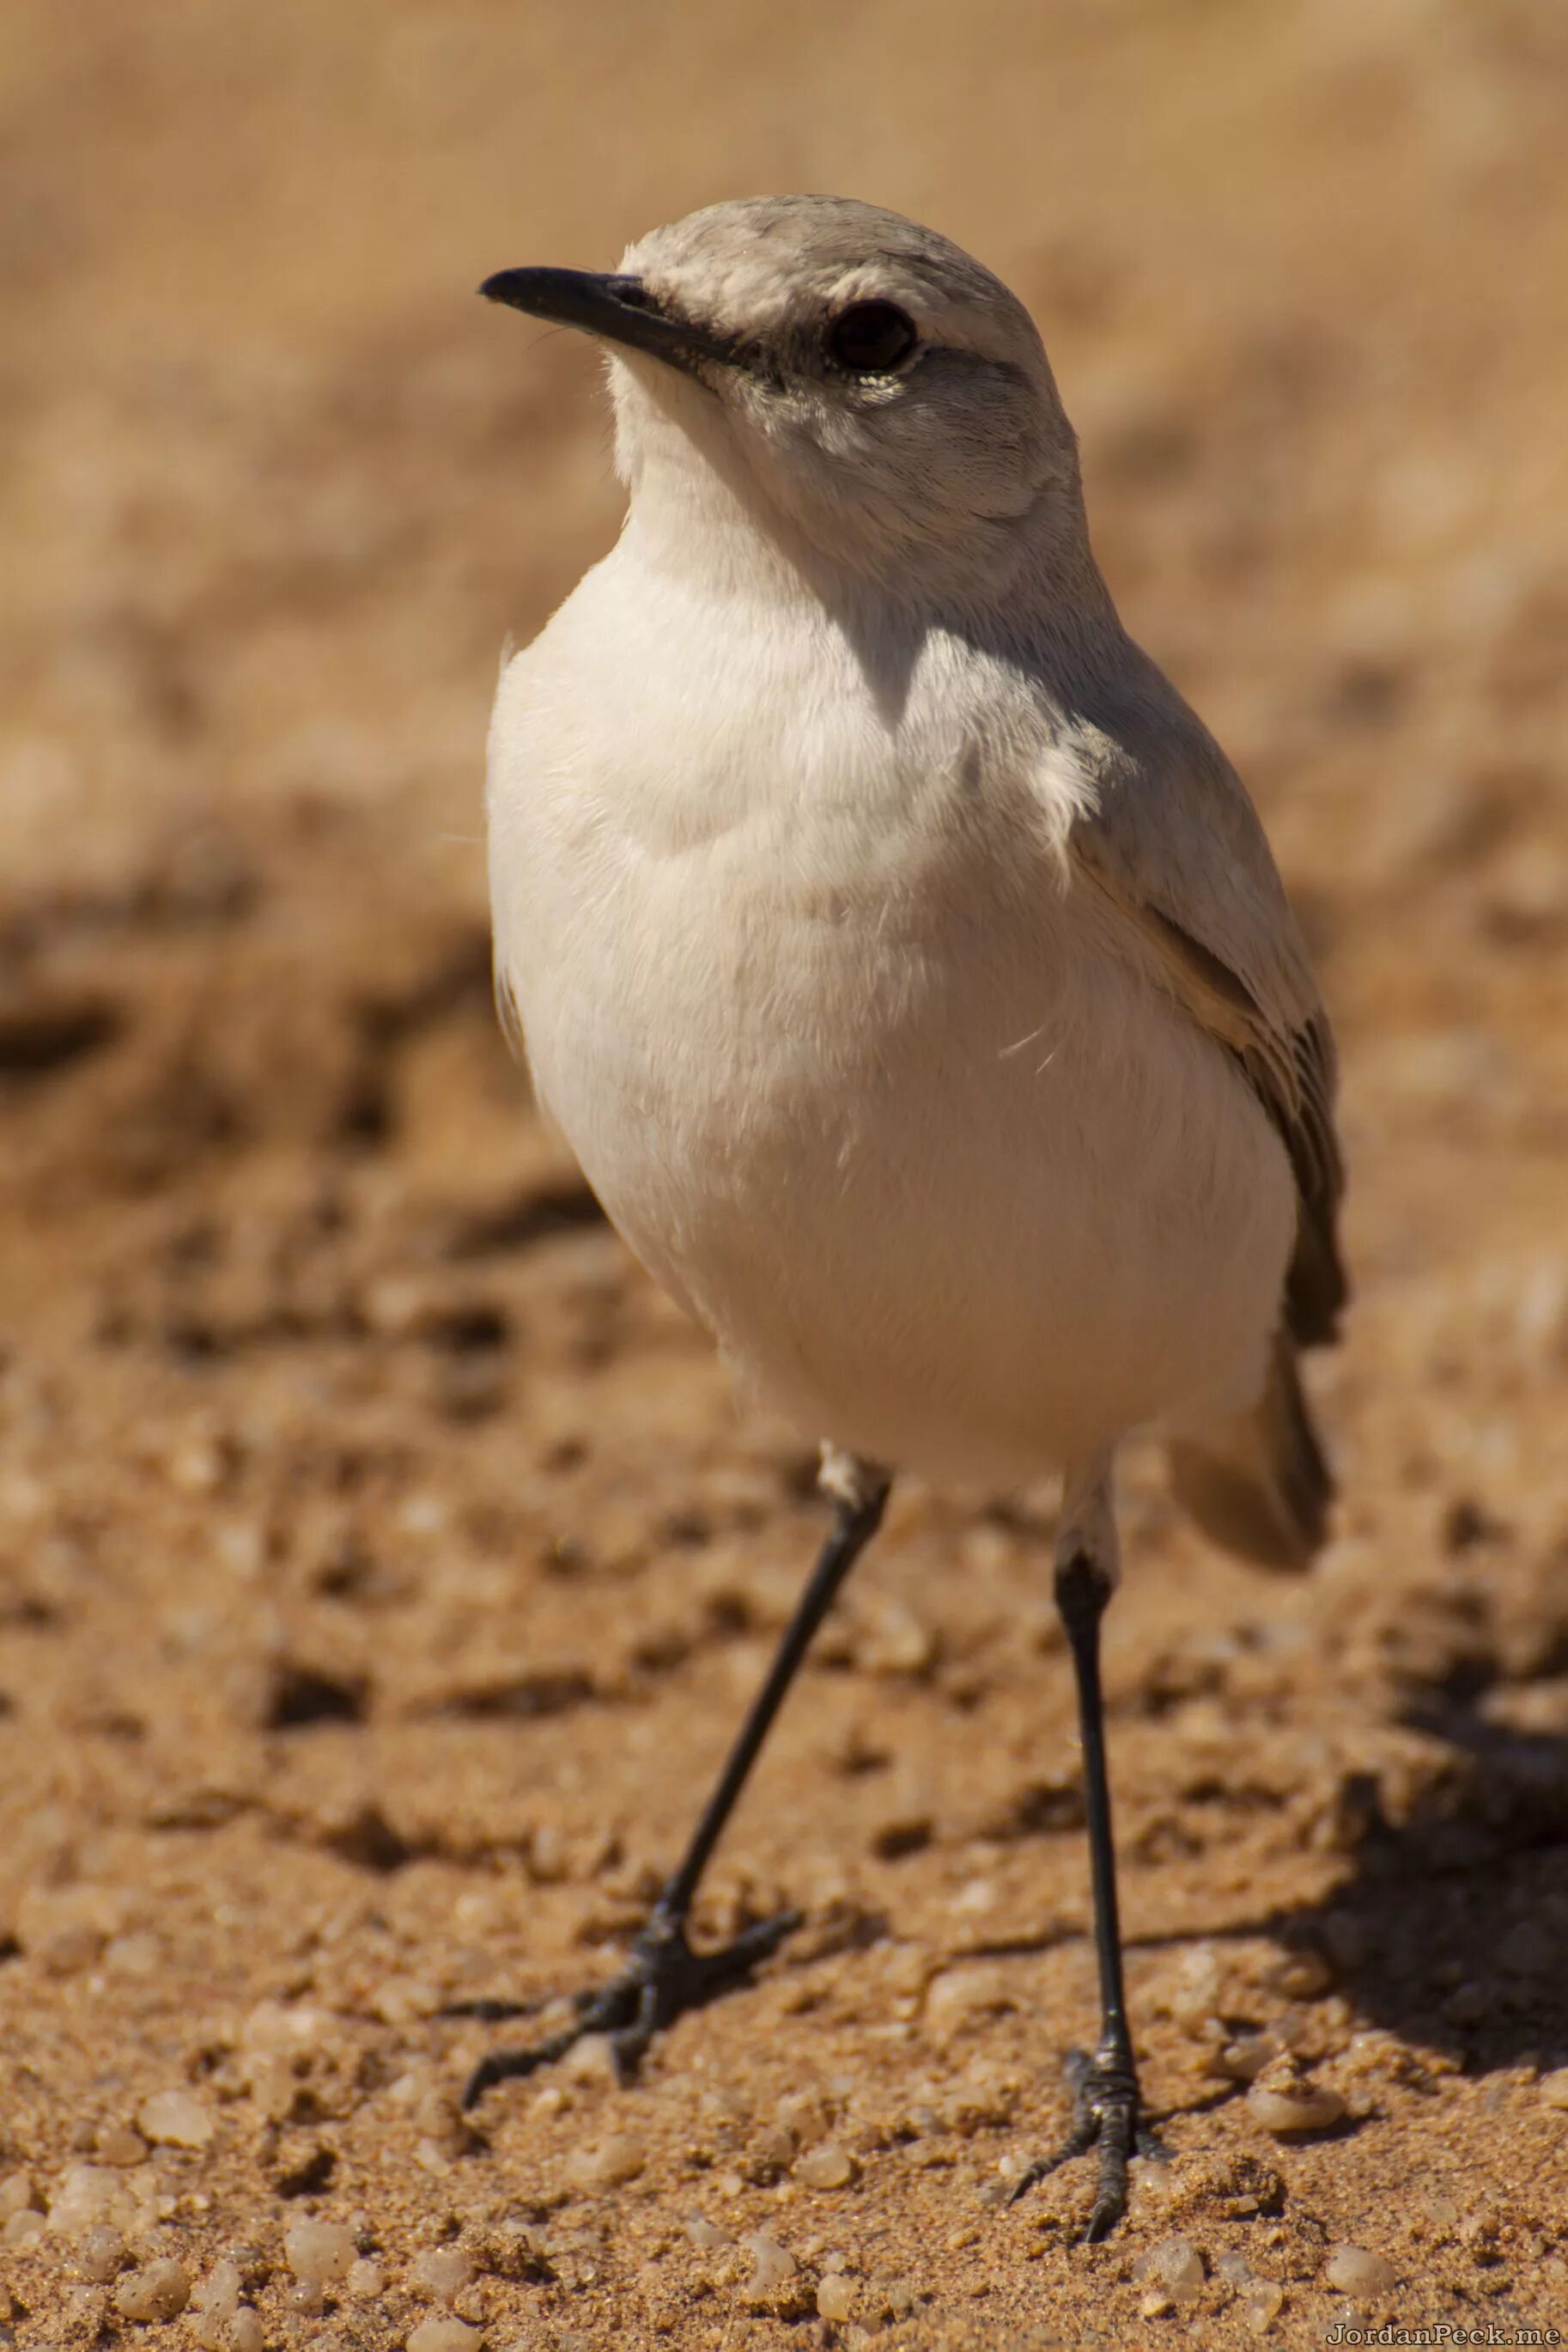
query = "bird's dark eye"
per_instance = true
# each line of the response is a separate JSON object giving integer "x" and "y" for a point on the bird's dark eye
{"x": 870, "y": 338}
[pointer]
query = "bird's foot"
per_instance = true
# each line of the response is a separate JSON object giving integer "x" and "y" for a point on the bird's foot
{"x": 1106, "y": 2114}
{"x": 663, "y": 1978}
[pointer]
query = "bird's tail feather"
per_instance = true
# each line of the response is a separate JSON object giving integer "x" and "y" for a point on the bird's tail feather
{"x": 1258, "y": 1483}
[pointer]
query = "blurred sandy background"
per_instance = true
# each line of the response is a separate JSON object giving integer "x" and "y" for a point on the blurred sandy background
{"x": 382, "y": 1564}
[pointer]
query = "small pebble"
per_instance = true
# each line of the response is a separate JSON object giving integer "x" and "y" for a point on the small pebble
{"x": 17, "y": 2194}
{"x": 1243, "y": 2060}
{"x": 442, "y": 2274}
{"x": 1353, "y": 2271}
{"x": 801, "y": 2113}
{"x": 1174, "y": 2266}
{"x": 307, "y": 2298}
{"x": 364, "y": 2280}
{"x": 21, "y": 2229}
{"x": 591, "y": 2059}
{"x": 1156, "y": 2305}
{"x": 1552, "y": 2089}
{"x": 1261, "y": 2305}
{"x": 1194, "y": 1992}
{"x": 706, "y": 2234}
{"x": 246, "y": 2332}
{"x": 401, "y": 1999}
{"x": 219, "y": 2291}
{"x": 614, "y": 2160}
{"x": 963, "y": 1996}
{"x": 99, "y": 2253}
{"x": 443, "y": 2334}
{"x": 1301, "y": 1975}
{"x": 319, "y": 2250}
{"x": 772, "y": 2265}
{"x": 776, "y": 2147}
{"x": 176, "y": 2119}
{"x": 836, "y": 2299}
{"x": 830, "y": 2166}
{"x": 160, "y": 2292}
{"x": 86, "y": 2193}
{"x": 898, "y": 1644}
{"x": 121, "y": 2146}
{"x": 1293, "y": 2104}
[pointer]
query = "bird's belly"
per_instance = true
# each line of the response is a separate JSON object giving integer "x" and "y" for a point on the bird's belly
{"x": 948, "y": 1183}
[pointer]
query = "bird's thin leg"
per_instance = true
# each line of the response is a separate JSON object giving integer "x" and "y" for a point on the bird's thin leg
{"x": 663, "y": 1974}
{"x": 1106, "y": 2112}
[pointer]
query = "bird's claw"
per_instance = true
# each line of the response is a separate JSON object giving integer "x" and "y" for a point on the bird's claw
{"x": 663, "y": 1978}
{"x": 1107, "y": 2114}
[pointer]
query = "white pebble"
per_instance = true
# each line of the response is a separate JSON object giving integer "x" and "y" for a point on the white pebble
{"x": 17, "y": 2194}
{"x": 1299, "y": 1976}
{"x": 836, "y": 2299}
{"x": 442, "y": 2274}
{"x": 1174, "y": 2265}
{"x": 160, "y": 2292}
{"x": 1243, "y": 2060}
{"x": 1261, "y": 2305}
{"x": 319, "y": 2250}
{"x": 86, "y": 2193}
{"x": 897, "y": 1643}
{"x": 614, "y": 2160}
{"x": 1194, "y": 1992}
{"x": 99, "y": 2253}
{"x": 706, "y": 2234}
{"x": 219, "y": 2291}
{"x": 443, "y": 2334}
{"x": 591, "y": 2059}
{"x": 1353, "y": 2271}
{"x": 828, "y": 2167}
{"x": 961, "y": 1996}
{"x": 801, "y": 2113}
{"x": 364, "y": 2280}
{"x": 772, "y": 2265}
{"x": 401, "y": 1999}
{"x": 246, "y": 2332}
{"x": 176, "y": 2119}
{"x": 1552, "y": 2089}
{"x": 1303, "y": 2106}
{"x": 21, "y": 2229}
{"x": 272, "y": 2025}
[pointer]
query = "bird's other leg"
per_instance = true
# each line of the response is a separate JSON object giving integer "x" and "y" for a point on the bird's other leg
{"x": 1107, "y": 2111}
{"x": 663, "y": 1976}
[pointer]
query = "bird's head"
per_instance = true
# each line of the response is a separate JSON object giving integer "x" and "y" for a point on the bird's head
{"x": 857, "y": 386}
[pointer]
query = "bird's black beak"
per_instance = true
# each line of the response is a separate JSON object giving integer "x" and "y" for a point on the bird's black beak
{"x": 617, "y": 309}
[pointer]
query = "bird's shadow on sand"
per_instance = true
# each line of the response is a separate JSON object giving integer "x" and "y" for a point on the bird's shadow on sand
{"x": 1450, "y": 1929}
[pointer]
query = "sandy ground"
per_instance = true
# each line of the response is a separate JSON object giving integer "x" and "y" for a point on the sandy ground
{"x": 382, "y": 1564}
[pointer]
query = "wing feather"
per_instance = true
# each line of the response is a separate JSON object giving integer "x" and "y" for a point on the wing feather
{"x": 1162, "y": 827}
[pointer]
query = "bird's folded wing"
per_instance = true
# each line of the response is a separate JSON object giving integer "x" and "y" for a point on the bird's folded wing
{"x": 1176, "y": 846}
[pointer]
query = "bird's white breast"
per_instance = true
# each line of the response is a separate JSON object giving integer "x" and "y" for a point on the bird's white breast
{"x": 858, "y": 1076}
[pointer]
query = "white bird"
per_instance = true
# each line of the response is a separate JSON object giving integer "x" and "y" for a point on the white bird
{"x": 904, "y": 961}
